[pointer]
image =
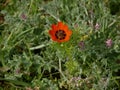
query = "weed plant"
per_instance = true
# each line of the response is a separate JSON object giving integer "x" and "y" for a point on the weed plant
{"x": 31, "y": 60}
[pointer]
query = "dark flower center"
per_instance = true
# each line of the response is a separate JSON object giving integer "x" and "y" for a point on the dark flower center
{"x": 60, "y": 34}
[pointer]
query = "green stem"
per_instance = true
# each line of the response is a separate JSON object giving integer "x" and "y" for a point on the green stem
{"x": 30, "y": 6}
{"x": 39, "y": 47}
{"x": 56, "y": 18}
{"x": 60, "y": 70}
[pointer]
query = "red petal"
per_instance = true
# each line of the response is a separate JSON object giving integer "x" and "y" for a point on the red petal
{"x": 54, "y": 27}
{"x": 60, "y": 25}
{"x": 65, "y": 27}
{"x": 50, "y": 32}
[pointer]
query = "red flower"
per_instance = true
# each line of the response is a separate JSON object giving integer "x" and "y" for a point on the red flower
{"x": 60, "y": 32}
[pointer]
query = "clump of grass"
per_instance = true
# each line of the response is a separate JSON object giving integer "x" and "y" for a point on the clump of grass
{"x": 31, "y": 60}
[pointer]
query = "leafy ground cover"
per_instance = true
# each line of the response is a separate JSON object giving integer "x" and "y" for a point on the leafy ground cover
{"x": 59, "y": 44}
